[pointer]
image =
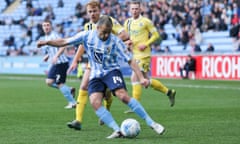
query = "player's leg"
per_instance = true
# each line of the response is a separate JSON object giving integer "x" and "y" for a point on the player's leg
{"x": 119, "y": 89}
{"x": 136, "y": 87}
{"x": 51, "y": 83}
{"x": 51, "y": 76}
{"x": 108, "y": 98}
{"x": 61, "y": 76}
{"x": 56, "y": 79}
{"x": 157, "y": 84}
{"x": 144, "y": 65}
{"x": 96, "y": 90}
{"x": 82, "y": 95}
{"x": 79, "y": 71}
{"x": 187, "y": 72}
{"x": 136, "y": 90}
{"x": 137, "y": 108}
{"x": 181, "y": 72}
{"x": 81, "y": 102}
{"x": 104, "y": 115}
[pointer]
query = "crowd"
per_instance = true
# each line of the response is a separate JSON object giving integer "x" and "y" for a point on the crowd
{"x": 189, "y": 17}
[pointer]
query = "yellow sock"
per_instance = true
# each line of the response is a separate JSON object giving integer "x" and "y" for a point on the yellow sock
{"x": 79, "y": 71}
{"x": 82, "y": 100}
{"x": 108, "y": 100}
{"x": 137, "y": 91}
{"x": 157, "y": 85}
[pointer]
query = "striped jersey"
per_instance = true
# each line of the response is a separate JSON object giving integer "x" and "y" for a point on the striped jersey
{"x": 102, "y": 55}
{"x": 52, "y": 51}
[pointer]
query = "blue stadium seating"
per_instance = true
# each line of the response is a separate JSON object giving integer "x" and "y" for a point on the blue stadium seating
{"x": 221, "y": 40}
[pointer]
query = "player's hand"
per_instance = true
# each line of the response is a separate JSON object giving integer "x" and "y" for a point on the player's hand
{"x": 145, "y": 82}
{"x": 142, "y": 47}
{"x": 72, "y": 67}
{"x": 45, "y": 58}
{"x": 129, "y": 44}
{"x": 41, "y": 43}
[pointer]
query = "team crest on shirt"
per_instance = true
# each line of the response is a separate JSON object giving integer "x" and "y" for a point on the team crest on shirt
{"x": 140, "y": 24}
{"x": 98, "y": 56}
{"x": 109, "y": 50}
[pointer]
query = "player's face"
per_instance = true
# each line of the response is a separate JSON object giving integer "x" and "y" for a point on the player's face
{"x": 93, "y": 13}
{"x": 135, "y": 10}
{"x": 104, "y": 32}
{"x": 47, "y": 28}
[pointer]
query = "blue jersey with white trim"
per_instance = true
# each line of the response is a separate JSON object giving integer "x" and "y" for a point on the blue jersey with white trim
{"x": 52, "y": 51}
{"x": 103, "y": 55}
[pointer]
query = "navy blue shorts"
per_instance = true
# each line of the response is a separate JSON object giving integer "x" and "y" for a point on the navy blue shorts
{"x": 113, "y": 80}
{"x": 58, "y": 72}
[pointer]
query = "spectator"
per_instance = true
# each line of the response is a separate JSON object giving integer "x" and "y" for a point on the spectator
{"x": 234, "y": 20}
{"x": 10, "y": 42}
{"x": 8, "y": 2}
{"x": 236, "y": 41}
{"x": 50, "y": 13}
{"x": 60, "y": 3}
{"x": 79, "y": 10}
{"x": 184, "y": 36}
{"x": 190, "y": 65}
{"x": 163, "y": 34}
{"x": 40, "y": 31}
{"x": 238, "y": 5}
{"x": 194, "y": 47}
{"x": 207, "y": 24}
{"x": 198, "y": 36}
{"x": 205, "y": 15}
{"x": 167, "y": 49}
{"x": 234, "y": 31}
{"x": 210, "y": 48}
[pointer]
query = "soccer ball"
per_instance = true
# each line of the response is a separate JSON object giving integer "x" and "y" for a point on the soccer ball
{"x": 130, "y": 128}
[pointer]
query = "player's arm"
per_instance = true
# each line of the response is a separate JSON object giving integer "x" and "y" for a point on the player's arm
{"x": 56, "y": 43}
{"x": 76, "y": 58}
{"x": 124, "y": 36}
{"x": 136, "y": 69}
{"x": 79, "y": 53}
{"x": 153, "y": 38}
{"x": 119, "y": 30}
{"x": 61, "y": 42}
{"x": 124, "y": 53}
{"x": 127, "y": 41}
{"x": 154, "y": 33}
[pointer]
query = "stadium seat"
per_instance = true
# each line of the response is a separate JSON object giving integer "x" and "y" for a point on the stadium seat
{"x": 169, "y": 42}
{"x": 215, "y": 34}
{"x": 219, "y": 40}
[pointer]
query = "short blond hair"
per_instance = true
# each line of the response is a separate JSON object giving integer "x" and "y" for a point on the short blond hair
{"x": 93, "y": 3}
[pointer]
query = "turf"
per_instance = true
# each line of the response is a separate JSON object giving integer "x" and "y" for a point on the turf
{"x": 206, "y": 112}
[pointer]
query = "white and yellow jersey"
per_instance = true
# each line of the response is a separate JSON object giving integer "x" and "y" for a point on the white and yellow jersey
{"x": 141, "y": 31}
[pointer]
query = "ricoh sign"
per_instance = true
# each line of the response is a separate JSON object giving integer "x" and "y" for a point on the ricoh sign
{"x": 225, "y": 67}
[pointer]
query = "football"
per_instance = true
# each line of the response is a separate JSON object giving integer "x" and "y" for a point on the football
{"x": 130, "y": 128}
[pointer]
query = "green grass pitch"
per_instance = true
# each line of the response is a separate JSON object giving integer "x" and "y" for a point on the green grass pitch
{"x": 206, "y": 112}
